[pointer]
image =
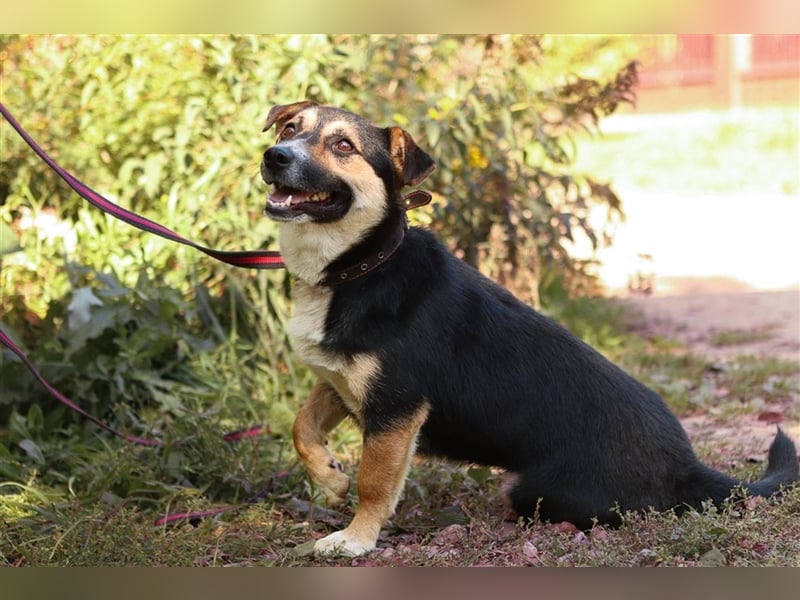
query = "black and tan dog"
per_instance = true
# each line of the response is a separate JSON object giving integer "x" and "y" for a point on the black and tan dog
{"x": 427, "y": 355}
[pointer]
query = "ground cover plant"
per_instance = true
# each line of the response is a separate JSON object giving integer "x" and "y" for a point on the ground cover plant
{"x": 450, "y": 514}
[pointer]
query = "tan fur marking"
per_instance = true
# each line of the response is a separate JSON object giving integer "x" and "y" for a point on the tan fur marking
{"x": 351, "y": 380}
{"x": 280, "y": 115}
{"x": 309, "y": 117}
{"x": 368, "y": 189}
{"x": 351, "y": 377}
{"x": 397, "y": 148}
{"x": 318, "y": 416}
{"x": 385, "y": 460}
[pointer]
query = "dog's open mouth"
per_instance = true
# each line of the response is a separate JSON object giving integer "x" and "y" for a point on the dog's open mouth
{"x": 286, "y": 203}
{"x": 285, "y": 197}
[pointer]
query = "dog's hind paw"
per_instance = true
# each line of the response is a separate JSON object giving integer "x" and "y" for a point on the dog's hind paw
{"x": 342, "y": 544}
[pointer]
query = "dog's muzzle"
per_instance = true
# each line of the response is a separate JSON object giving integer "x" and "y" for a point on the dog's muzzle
{"x": 276, "y": 160}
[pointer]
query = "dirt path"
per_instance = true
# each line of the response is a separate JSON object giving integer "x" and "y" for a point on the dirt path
{"x": 728, "y": 324}
{"x": 723, "y": 276}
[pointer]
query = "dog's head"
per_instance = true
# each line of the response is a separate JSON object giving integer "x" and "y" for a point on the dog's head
{"x": 328, "y": 162}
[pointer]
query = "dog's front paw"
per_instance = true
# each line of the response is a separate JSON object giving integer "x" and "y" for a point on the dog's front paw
{"x": 342, "y": 543}
{"x": 333, "y": 483}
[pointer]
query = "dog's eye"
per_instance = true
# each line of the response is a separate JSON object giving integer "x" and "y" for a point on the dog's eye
{"x": 344, "y": 146}
{"x": 288, "y": 132}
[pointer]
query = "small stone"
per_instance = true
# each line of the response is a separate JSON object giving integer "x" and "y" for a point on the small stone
{"x": 713, "y": 558}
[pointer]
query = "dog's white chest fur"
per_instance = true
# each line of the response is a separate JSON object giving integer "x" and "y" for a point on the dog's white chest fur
{"x": 350, "y": 376}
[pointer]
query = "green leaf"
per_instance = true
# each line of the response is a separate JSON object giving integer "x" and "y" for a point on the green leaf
{"x": 80, "y": 307}
{"x": 9, "y": 242}
{"x": 304, "y": 549}
{"x": 32, "y": 450}
{"x": 451, "y": 515}
{"x": 479, "y": 474}
{"x": 713, "y": 558}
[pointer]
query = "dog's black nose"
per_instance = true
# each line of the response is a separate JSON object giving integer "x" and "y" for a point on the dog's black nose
{"x": 278, "y": 157}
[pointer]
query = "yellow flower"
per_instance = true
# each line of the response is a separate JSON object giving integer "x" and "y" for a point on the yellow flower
{"x": 475, "y": 158}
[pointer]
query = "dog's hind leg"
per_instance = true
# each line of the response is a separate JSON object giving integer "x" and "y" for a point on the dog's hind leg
{"x": 319, "y": 415}
{"x": 385, "y": 460}
{"x": 546, "y": 494}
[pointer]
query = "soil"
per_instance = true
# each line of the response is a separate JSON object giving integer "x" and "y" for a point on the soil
{"x": 727, "y": 324}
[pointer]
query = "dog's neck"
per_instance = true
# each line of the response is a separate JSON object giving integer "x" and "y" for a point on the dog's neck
{"x": 377, "y": 247}
{"x": 334, "y": 253}
{"x": 309, "y": 249}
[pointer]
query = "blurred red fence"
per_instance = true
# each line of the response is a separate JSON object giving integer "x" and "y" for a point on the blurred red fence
{"x": 718, "y": 71}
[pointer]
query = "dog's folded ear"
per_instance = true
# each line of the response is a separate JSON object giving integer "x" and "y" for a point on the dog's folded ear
{"x": 412, "y": 164}
{"x": 284, "y": 112}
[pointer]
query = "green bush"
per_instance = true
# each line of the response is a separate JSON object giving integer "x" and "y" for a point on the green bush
{"x": 144, "y": 332}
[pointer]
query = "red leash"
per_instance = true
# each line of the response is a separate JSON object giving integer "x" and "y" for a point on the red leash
{"x": 252, "y": 259}
{"x": 256, "y": 259}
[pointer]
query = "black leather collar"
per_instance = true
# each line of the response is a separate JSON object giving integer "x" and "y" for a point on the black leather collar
{"x": 377, "y": 249}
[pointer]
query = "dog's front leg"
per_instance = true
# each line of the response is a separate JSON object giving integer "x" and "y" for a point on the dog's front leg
{"x": 319, "y": 415}
{"x": 385, "y": 459}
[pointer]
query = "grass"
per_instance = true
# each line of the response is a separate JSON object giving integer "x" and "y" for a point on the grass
{"x": 755, "y": 533}
{"x": 736, "y": 337}
{"x": 105, "y": 514}
{"x": 754, "y": 150}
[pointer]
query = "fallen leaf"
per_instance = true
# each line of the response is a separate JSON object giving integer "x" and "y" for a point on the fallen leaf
{"x": 753, "y": 501}
{"x": 479, "y": 474}
{"x": 770, "y": 417}
{"x": 451, "y": 515}
{"x": 580, "y": 538}
{"x": 565, "y": 527}
{"x": 304, "y": 549}
{"x": 531, "y": 553}
{"x": 452, "y": 534}
{"x": 761, "y": 549}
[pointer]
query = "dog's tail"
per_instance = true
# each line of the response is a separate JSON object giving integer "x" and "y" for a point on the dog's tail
{"x": 706, "y": 483}
{"x": 782, "y": 467}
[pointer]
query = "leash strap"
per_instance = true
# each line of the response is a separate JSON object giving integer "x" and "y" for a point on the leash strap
{"x": 258, "y": 259}
{"x": 5, "y": 340}
{"x": 233, "y": 436}
{"x": 252, "y": 259}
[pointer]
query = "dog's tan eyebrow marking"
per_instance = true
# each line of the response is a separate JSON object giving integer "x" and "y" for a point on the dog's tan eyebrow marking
{"x": 305, "y": 120}
{"x": 341, "y": 129}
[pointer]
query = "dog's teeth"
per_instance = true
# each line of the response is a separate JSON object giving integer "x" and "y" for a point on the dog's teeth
{"x": 288, "y": 200}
